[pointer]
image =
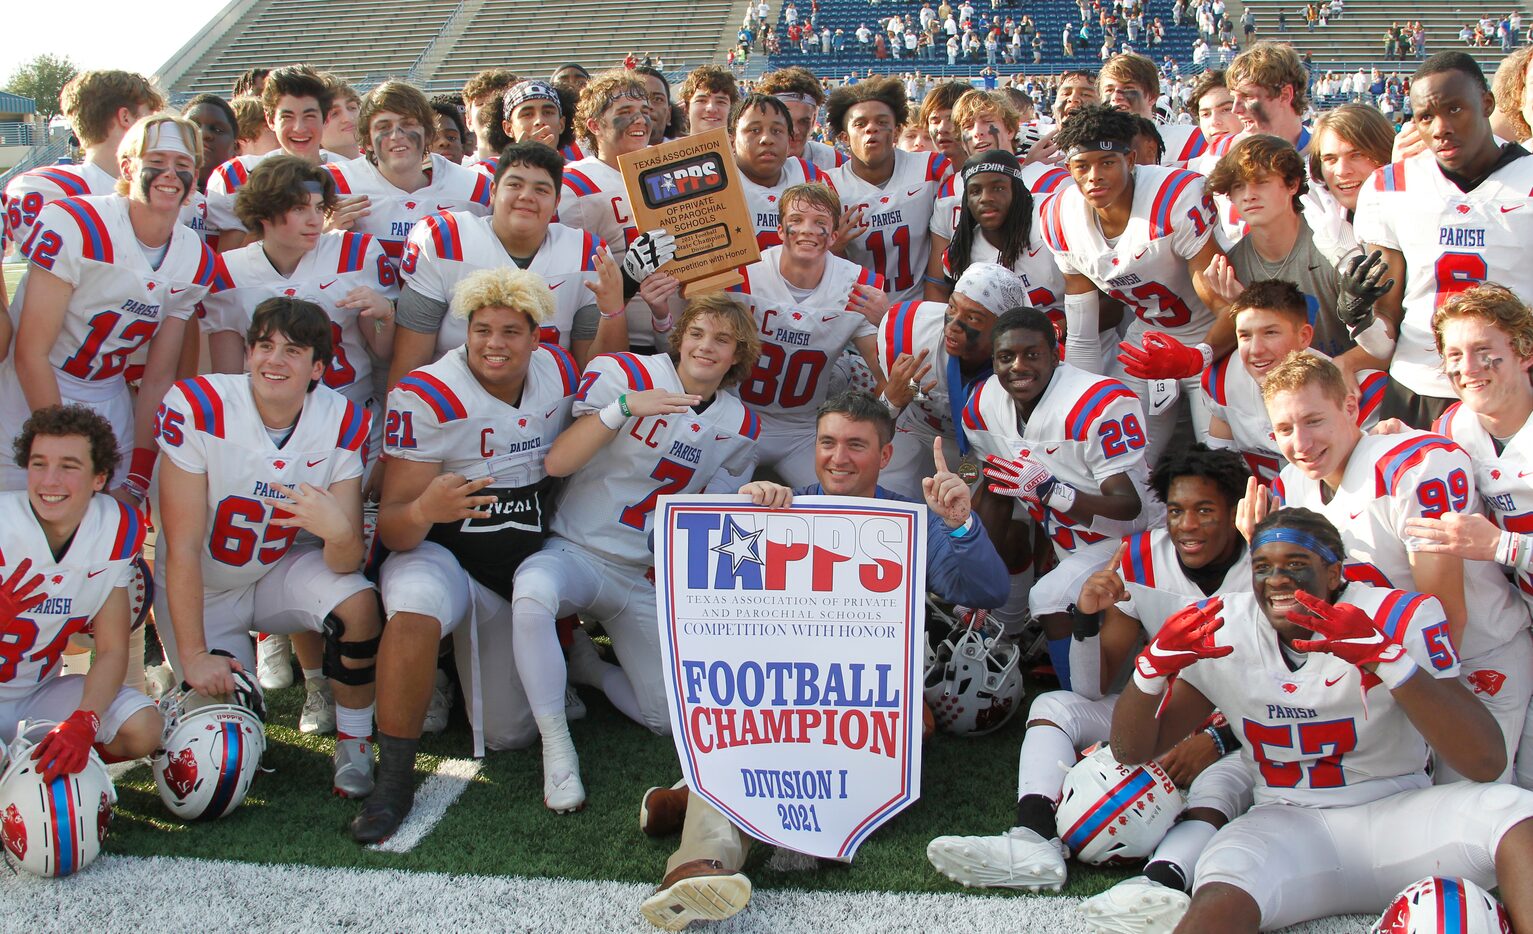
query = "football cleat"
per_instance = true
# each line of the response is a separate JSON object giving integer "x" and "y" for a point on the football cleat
{"x": 440, "y": 706}
{"x": 1136, "y": 906}
{"x": 353, "y": 768}
{"x": 318, "y": 709}
{"x": 1016, "y": 859}
{"x": 274, "y": 661}
{"x": 566, "y": 794}
{"x": 700, "y": 890}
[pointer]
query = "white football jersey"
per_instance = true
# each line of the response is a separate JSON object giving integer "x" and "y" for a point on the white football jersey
{"x": 99, "y": 560}
{"x": 444, "y": 249}
{"x": 1451, "y": 240}
{"x": 1184, "y": 143}
{"x": 1232, "y": 394}
{"x": 441, "y": 414}
{"x": 822, "y": 156}
{"x": 895, "y": 239}
{"x": 210, "y": 425}
{"x": 339, "y": 262}
{"x": 1085, "y": 428}
{"x": 1390, "y": 479}
{"x": 225, "y": 182}
{"x": 28, "y": 193}
{"x": 909, "y": 328}
{"x": 1146, "y": 268}
{"x": 1327, "y": 734}
{"x": 118, "y": 300}
{"x": 800, "y": 339}
{"x": 762, "y": 202}
{"x": 1158, "y": 585}
{"x": 1504, "y": 477}
{"x": 1041, "y": 180}
{"x": 608, "y": 505}
{"x": 391, "y": 212}
{"x": 594, "y": 199}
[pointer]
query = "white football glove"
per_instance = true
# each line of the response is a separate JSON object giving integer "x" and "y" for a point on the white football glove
{"x": 647, "y": 253}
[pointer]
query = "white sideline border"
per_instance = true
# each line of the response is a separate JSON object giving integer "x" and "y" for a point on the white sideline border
{"x": 129, "y": 893}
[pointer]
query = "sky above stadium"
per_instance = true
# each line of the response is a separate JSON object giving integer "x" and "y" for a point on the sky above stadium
{"x": 99, "y": 33}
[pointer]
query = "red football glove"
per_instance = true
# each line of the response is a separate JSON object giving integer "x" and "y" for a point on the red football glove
{"x": 1348, "y": 632}
{"x": 1186, "y": 637}
{"x": 1161, "y": 357}
{"x": 17, "y": 597}
{"x": 66, "y": 748}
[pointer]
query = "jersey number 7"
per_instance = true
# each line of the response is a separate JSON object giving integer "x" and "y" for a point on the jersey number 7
{"x": 673, "y": 478}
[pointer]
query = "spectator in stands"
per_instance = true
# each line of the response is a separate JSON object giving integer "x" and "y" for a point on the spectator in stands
{"x": 708, "y": 94}
{"x": 220, "y": 132}
{"x": 255, "y": 137}
{"x": 482, "y": 89}
{"x": 1264, "y": 177}
{"x": 450, "y": 131}
{"x": 1067, "y": 41}
{"x": 340, "y": 135}
{"x": 573, "y": 76}
{"x": 250, "y": 83}
{"x": 1248, "y": 25}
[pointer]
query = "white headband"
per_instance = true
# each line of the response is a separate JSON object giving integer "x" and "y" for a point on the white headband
{"x": 793, "y": 97}
{"x": 166, "y": 136}
{"x": 992, "y": 285}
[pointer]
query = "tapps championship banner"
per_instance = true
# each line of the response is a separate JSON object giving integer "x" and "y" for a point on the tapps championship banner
{"x": 792, "y": 643}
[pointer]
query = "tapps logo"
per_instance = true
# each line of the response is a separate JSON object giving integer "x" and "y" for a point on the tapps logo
{"x": 680, "y": 181}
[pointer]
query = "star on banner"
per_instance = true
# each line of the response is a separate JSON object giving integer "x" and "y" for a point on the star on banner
{"x": 741, "y": 546}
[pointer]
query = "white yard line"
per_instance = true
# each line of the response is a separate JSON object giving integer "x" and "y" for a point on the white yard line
{"x": 125, "y": 893}
{"x": 432, "y": 799}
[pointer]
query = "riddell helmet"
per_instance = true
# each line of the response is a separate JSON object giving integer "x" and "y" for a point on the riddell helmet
{"x": 52, "y": 828}
{"x": 974, "y": 686}
{"x": 1451, "y": 906}
{"x": 1113, "y": 813}
{"x": 211, "y": 752}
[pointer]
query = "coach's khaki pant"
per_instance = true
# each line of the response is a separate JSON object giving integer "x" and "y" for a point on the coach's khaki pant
{"x": 708, "y": 834}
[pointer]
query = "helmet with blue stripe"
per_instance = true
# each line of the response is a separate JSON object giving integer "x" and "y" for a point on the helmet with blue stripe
{"x": 1443, "y": 905}
{"x": 1114, "y": 813}
{"x": 52, "y": 828}
{"x": 211, "y": 751}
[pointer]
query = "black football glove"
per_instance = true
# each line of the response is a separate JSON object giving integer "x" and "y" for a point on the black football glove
{"x": 1359, "y": 287}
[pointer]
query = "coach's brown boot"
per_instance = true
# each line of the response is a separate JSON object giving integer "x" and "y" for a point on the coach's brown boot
{"x": 663, "y": 810}
{"x": 699, "y": 890}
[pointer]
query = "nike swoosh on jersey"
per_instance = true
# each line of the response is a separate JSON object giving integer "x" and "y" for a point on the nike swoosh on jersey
{"x": 330, "y": 283}
{"x": 550, "y": 412}
{"x": 177, "y": 291}
{"x": 1524, "y": 473}
{"x": 913, "y": 192}
{"x": 1141, "y": 253}
{"x": 1358, "y": 513}
{"x": 314, "y": 463}
{"x": 554, "y": 285}
{"x": 831, "y": 317}
{"x": 1332, "y": 682}
{"x": 94, "y": 573}
{"x": 1509, "y": 208}
{"x": 1050, "y": 450}
{"x": 721, "y": 437}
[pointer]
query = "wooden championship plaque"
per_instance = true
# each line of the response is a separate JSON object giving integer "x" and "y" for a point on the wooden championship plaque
{"x": 691, "y": 187}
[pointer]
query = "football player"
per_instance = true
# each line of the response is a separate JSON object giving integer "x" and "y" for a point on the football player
{"x": 295, "y": 100}
{"x": 1215, "y": 106}
{"x": 933, "y": 355}
{"x": 1442, "y": 221}
{"x": 1485, "y": 336}
{"x": 1371, "y": 486}
{"x": 106, "y": 276}
{"x": 614, "y": 118}
{"x": 1272, "y": 320}
{"x": 1264, "y": 179}
{"x": 69, "y": 554}
{"x": 397, "y": 180}
{"x": 703, "y": 881}
{"x": 935, "y": 117}
{"x": 444, "y": 249}
{"x": 287, "y": 201}
{"x": 801, "y": 91}
{"x": 1335, "y": 715}
{"x": 340, "y": 136}
{"x": 1073, "y": 91}
{"x": 1067, "y": 443}
{"x": 252, "y": 461}
{"x": 808, "y": 305}
{"x": 1198, "y": 554}
{"x": 465, "y": 499}
{"x": 1351, "y": 143}
{"x": 479, "y": 93}
{"x": 1140, "y": 234}
{"x": 1131, "y": 82}
{"x": 709, "y": 93}
{"x": 887, "y": 194}
{"x": 645, "y": 426}
{"x": 530, "y": 112}
{"x": 101, "y": 106}
{"x": 659, "y": 104}
{"x": 761, "y": 130}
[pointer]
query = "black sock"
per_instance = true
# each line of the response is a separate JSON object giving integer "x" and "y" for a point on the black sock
{"x": 1167, "y": 873}
{"x": 1036, "y": 813}
{"x": 396, "y": 766}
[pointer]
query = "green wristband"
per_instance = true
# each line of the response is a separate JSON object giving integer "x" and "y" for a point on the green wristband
{"x": 622, "y": 403}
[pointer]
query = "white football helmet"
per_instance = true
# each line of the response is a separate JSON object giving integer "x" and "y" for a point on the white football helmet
{"x": 974, "y": 686}
{"x": 211, "y": 752}
{"x": 1447, "y": 905}
{"x": 52, "y": 829}
{"x": 1113, "y": 813}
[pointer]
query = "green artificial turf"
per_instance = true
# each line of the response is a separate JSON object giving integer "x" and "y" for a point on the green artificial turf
{"x": 500, "y": 827}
